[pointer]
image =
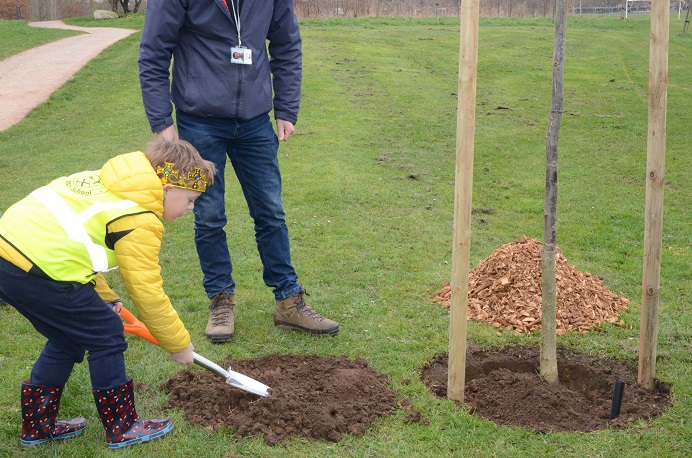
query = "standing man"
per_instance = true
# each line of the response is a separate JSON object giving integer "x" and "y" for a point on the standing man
{"x": 221, "y": 86}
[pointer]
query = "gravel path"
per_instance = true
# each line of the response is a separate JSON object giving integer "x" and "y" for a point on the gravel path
{"x": 27, "y": 79}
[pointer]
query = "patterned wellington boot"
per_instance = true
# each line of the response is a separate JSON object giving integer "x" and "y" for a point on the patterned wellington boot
{"x": 122, "y": 424}
{"x": 40, "y": 405}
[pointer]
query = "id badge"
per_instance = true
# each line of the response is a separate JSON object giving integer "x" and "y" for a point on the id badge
{"x": 241, "y": 55}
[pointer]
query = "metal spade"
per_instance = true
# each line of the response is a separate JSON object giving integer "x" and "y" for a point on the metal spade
{"x": 133, "y": 326}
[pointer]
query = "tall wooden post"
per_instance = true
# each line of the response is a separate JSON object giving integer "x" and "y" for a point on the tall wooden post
{"x": 466, "y": 124}
{"x": 653, "y": 224}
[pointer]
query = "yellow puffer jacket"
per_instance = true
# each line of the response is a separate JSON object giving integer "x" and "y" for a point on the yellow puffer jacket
{"x": 132, "y": 177}
{"x": 137, "y": 243}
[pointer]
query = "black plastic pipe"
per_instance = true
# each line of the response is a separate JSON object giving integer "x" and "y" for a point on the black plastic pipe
{"x": 617, "y": 399}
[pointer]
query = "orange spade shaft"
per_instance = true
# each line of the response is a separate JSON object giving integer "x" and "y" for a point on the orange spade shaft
{"x": 133, "y": 326}
{"x": 136, "y": 327}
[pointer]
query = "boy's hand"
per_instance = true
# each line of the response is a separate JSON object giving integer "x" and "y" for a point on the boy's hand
{"x": 185, "y": 356}
{"x": 116, "y": 306}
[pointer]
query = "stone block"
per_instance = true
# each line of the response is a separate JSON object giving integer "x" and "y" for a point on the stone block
{"x": 105, "y": 14}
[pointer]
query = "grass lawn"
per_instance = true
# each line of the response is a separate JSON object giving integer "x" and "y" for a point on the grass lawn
{"x": 369, "y": 189}
{"x": 16, "y": 37}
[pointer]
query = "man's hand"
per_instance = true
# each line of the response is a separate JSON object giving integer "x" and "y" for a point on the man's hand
{"x": 185, "y": 356}
{"x": 169, "y": 133}
{"x": 284, "y": 129}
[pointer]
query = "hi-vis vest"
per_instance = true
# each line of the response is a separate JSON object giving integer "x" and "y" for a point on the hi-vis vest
{"x": 61, "y": 227}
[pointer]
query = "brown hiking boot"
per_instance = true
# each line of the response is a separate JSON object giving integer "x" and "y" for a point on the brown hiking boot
{"x": 221, "y": 318}
{"x": 294, "y": 313}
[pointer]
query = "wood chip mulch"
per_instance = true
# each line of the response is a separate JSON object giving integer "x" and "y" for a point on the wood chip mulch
{"x": 505, "y": 291}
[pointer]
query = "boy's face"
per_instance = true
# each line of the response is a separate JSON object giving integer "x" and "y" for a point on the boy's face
{"x": 177, "y": 201}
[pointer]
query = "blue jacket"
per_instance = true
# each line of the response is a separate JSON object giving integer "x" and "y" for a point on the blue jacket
{"x": 199, "y": 34}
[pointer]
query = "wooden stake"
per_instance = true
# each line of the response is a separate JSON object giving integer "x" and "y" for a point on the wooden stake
{"x": 466, "y": 123}
{"x": 653, "y": 224}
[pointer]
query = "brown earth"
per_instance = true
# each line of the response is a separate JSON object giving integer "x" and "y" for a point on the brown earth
{"x": 325, "y": 397}
{"x": 503, "y": 385}
{"x": 313, "y": 396}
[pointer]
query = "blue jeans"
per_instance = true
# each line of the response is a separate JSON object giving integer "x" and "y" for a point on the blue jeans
{"x": 75, "y": 320}
{"x": 252, "y": 147}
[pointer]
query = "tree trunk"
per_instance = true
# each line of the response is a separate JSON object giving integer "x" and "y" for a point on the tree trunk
{"x": 548, "y": 358}
{"x": 44, "y": 10}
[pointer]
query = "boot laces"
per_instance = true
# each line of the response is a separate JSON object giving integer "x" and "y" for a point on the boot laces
{"x": 221, "y": 307}
{"x": 301, "y": 307}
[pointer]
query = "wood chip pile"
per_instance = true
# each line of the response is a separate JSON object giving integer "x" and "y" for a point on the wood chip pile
{"x": 505, "y": 291}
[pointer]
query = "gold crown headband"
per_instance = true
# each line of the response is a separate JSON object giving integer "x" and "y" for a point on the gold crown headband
{"x": 195, "y": 181}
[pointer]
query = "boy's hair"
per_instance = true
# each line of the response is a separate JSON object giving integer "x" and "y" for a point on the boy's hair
{"x": 183, "y": 156}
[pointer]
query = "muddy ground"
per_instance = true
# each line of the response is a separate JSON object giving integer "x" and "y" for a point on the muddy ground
{"x": 313, "y": 396}
{"x": 325, "y": 397}
{"x": 503, "y": 385}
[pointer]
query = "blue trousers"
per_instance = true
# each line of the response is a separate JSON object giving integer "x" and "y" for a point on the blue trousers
{"x": 75, "y": 320}
{"x": 252, "y": 148}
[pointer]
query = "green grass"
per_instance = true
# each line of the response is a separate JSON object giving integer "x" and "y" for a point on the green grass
{"x": 369, "y": 189}
{"x": 16, "y": 37}
{"x": 129, "y": 21}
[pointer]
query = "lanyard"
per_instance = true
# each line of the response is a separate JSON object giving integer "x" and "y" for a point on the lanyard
{"x": 235, "y": 11}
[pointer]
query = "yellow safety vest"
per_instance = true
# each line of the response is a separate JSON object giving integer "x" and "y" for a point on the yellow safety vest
{"x": 62, "y": 227}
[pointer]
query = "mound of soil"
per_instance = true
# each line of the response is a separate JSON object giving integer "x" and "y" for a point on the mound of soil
{"x": 313, "y": 396}
{"x": 503, "y": 386}
{"x": 505, "y": 291}
{"x": 323, "y": 397}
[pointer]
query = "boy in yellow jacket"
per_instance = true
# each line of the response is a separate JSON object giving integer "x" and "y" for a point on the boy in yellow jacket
{"x": 53, "y": 246}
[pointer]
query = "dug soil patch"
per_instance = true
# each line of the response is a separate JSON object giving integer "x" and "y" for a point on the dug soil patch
{"x": 313, "y": 396}
{"x": 325, "y": 397}
{"x": 504, "y": 386}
